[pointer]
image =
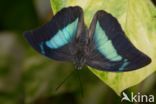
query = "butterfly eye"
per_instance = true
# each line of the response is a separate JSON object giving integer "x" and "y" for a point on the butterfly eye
{"x": 78, "y": 67}
{"x": 80, "y": 63}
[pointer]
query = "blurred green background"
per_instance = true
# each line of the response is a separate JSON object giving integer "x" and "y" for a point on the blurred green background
{"x": 27, "y": 77}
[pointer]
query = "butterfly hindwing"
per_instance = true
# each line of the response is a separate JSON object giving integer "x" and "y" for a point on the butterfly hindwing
{"x": 111, "y": 50}
{"x": 56, "y": 38}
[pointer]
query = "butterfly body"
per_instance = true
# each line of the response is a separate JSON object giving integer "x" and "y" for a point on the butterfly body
{"x": 103, "y": 45}
{"x": 80, "y": 50}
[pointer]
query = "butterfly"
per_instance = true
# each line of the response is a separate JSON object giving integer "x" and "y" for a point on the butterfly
{"x": 103, "y": 45}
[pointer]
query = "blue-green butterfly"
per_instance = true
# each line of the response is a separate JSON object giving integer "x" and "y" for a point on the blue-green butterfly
{"x": 103, "y": 45}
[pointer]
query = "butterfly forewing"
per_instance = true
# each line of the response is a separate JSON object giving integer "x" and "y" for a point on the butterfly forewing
{"x": 111, "y": 50}
{"x": 57, "y": 38}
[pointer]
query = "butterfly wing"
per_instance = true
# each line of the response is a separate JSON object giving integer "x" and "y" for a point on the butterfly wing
{"x": 111, "y": 50}
{"x": 56, "y": 39}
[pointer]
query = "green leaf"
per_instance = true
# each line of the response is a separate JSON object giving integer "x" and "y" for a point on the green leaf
{"x": 137, "y": 18}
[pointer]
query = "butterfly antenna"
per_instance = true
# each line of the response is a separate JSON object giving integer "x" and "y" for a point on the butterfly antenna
{"x": 65, "y": 80}
{"x": 81, "y": 87}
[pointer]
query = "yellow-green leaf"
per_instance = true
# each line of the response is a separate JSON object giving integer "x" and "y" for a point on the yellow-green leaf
{"x": 137, "y": 18}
